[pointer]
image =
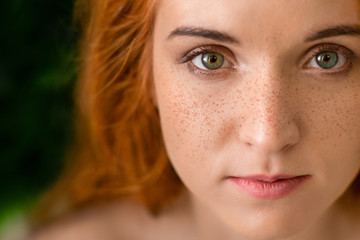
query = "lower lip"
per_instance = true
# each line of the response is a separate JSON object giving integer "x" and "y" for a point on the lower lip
{"x": 269, "y": 190}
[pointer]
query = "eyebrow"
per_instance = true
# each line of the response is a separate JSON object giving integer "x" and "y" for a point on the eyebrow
{"x": 202, "y": 32}
{"x": 352, "y": 30}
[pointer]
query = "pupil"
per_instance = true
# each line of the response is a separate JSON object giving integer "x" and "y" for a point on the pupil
{"x": 327, "y": 58}
{"x": 213, "y": 59}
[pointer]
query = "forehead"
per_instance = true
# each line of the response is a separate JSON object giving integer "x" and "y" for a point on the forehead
{"x": 269, "y": 17}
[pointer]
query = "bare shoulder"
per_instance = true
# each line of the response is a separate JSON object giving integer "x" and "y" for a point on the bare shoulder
{"x": 127, "y": 220}
{"x": 89, "y": 224}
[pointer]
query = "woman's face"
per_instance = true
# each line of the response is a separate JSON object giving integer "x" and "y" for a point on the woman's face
{"x": 259, "y": 104}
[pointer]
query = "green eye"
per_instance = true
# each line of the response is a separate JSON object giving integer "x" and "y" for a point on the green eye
{"x": 212, "y": 60}
{"x": 327, "y": 60}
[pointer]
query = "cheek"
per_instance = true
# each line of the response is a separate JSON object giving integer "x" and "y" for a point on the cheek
{"x": 337, "y": 122}
{"x": 185, "y": 117}
{"x": 332, "y": 134}
{"x": 335, "y": 116}
{"x": 192, "y": 119}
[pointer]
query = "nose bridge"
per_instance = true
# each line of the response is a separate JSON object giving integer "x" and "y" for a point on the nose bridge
{"x": 270, "y": 125}
{"x": 271, "y": 107}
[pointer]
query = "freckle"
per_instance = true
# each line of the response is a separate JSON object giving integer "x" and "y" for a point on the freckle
{"x": 186, "y": 112}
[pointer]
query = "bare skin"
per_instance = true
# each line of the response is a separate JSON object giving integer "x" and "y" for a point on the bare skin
{"x": 127, "y": 221}
{"x": 131, "y": 221}
{"x": 267, "y": 104}
{"x": 270, "y": 108}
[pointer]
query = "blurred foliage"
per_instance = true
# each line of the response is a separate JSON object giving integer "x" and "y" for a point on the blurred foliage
{"x": 37, "y": 74}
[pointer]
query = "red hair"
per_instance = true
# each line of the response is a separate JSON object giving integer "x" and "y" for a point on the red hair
{"x": 119, "y": 151}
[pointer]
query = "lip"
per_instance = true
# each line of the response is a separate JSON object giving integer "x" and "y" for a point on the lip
{"x": 269, "y": 187}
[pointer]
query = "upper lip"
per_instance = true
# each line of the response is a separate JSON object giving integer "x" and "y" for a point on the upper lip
{"x": 269, "y": 179}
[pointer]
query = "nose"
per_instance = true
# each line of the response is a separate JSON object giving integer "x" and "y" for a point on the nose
{"x": 270, "y": 126}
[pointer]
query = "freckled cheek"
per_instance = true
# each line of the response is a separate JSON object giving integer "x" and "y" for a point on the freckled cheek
{"x": 332, "y": 122}
{"x": 180, "y": 119}
{"x": 178, "y": 111}
{"x": 186, "y": 120}
{"x": 338, "y": 119}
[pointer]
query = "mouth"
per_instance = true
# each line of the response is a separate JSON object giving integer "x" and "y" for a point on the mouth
{"x": 269, "y": 187}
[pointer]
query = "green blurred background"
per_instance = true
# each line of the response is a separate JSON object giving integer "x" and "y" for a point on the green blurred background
{"x": 37, "y": 74}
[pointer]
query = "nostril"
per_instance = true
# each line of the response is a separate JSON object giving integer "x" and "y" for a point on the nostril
{"x": 248, "y": 144}
{"x": 286, "y": 147}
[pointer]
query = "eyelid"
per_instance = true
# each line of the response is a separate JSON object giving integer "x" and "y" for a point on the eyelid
{"x": 312, "y": 52}
{"x": 207, "y": 49}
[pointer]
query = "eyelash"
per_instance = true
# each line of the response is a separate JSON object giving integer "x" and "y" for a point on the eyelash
{"x": 225, "y": 52}
{"x": 341, "y": 51}
{"x": 310, "y": 55}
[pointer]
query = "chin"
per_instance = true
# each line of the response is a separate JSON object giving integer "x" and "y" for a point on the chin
{"x": 270, "y": 227}
{"x": 266, "y": 233}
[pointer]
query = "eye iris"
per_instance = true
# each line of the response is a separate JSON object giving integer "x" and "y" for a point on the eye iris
{"x": 327, "y": 59}
{"x": 212, "y": 60}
